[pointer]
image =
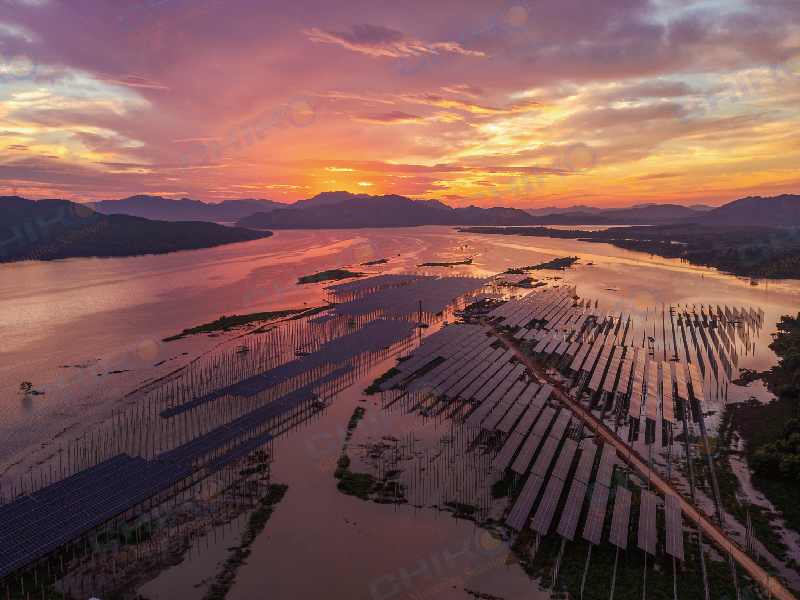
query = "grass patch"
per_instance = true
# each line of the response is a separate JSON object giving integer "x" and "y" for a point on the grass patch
{"x": 330, "y": 275}
{"x": 729, "y": 488}
{"x": 356, "y": 484}
{"x": 358, "y": 414}
{"x": 225, "y": 324}
{"x": 258, "y": 520}
{"x": 375, "y": 386}
{"x": 447, "y": 264}
{"x": 557, "y": 264}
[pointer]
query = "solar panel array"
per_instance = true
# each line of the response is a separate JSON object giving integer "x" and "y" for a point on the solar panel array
{"x": 544, "y": 514}
{"x": 647, "y": 522}
{"x": 674, "y": 525}
{"x": 208, "y": 442}
{"x": 44, "y": 520}
{"x": 373, "y": 337}
{"x": 371, "y": 283}
{"x": 667, "y": 404}
{"x": 572, "y": 509}
{"x": 399, "y": 302}
{"x": 237, "y": 453}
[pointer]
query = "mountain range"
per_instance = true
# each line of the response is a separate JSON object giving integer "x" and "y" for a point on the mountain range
{"x": 345, "y": 210}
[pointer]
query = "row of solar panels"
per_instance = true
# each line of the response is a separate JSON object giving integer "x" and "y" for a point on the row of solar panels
{"x": 373, "y": 283}
{"x": 227, "y": 433}
{"x": 404, "y": 301}
{"x": 44, "y": 520}
{"x": 600, "y": 492}
{"x": 373, "y": 337}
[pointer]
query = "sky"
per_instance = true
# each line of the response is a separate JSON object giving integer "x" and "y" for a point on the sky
{"x": 525, "y": 104}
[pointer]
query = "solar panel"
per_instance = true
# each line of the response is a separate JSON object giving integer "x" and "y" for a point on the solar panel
{"x": 522, "y": 507}
{"x": 528, "y": 418}
{"x": 526, "y": 454}
{"x": 543, "y": 422}
{"x": 674, "y": 525}
{"x": 547, "y": 507}
{"x": 619, "y": 522}
{"x": 597, "y": 512}
{"x": 542, "y": 464}
{"x": 647, "y": 522}
{"x": 586, "y": 461}
{"x": 564, "y": 417}
{"x": 503, "y": 457}
{"x": 564, "y": 461}
{"x": 606, "y": 467}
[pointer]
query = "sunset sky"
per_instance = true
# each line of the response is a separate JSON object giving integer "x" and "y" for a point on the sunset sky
{"x": 424, "y": 99}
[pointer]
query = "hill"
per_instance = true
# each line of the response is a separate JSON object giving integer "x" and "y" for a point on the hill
{"x": 53, "y": 229}
{"x": 775, "y": 211}
{"x": 164, "y": 209}
{"x": 383, "y": 211}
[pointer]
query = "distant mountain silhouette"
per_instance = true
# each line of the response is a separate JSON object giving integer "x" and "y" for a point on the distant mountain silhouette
{"x": 52, "y": 229}
{"x": 323, "y": 198}
{"x": 165, "y": 209}
{"x": 775, "y": 211}
{"x": 378, "y": 212}
{"x": 383, "y": 211}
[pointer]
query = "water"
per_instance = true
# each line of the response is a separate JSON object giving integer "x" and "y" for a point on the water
{"x": 65, "y": 325}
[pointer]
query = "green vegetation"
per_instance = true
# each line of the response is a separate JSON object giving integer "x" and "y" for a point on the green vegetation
{"x": 258, "y": 520}
{"x": 772, "y": 431}
{"x": 356, "y": 484}
{"x": 358, "y": 414}
{"x": 225, "y": 324}
{"x": 784, "y": 379}
{"x": 738, "y": 250}
{"x": 461, "y": 510}
{"x": 342, "y": 464}
{"x": 375, "y": 386}
{"x": 330, "y": 275}
{"x": 733, "y": 501}
{"x": 557, "y": 264}
{"x": 781, "y": 458}
{"x": 446, "y": 264}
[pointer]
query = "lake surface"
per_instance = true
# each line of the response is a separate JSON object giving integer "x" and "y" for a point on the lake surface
{"x": 65, "y": 326}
